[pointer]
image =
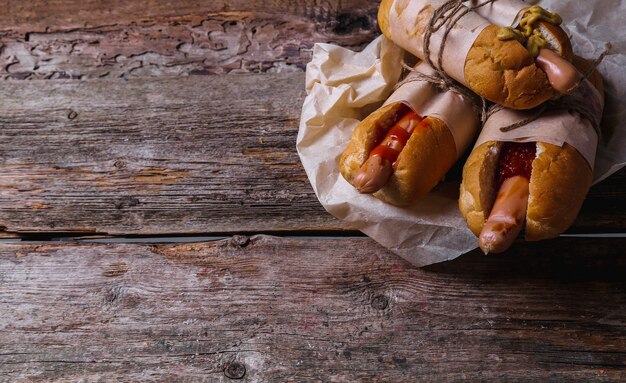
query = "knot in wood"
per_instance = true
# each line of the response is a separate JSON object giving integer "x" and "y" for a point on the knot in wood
{"x": 127, "y": 202}
{"x": 380, "y": 302}
{"x": 240, "y": 240}
{"x": 72, "y": 115}
{"x": 119, "y": 164}
{"x": 113, "y": 295}
{"x": 235, "y": 370}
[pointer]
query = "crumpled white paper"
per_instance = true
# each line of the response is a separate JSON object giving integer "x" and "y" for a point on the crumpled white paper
{"x": 344, "y": 86}
{"x": 591, "y": 24}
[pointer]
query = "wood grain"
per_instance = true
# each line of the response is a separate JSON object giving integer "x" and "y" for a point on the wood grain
{"x": 205, "y": 154}
{"x": 155, "y": 157}
{"x": 94, "y": 39}
{"x": 118, "y": 134}
{"x": 37, "y": 15}
{"x": 267, "y": 309}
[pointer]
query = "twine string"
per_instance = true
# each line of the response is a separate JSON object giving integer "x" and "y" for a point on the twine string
{"x": 446, "y": 16}
{"x": 575, "y": 104}
{"x": 444, "y": 84}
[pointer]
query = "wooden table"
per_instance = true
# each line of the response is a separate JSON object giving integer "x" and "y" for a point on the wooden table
{"x": 158, "y": 225}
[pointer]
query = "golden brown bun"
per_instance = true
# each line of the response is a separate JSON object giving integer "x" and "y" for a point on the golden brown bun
{"x": 559, "y": 182}
{"x": 505, "y": 73}
{"x": 478, "y": 189}
{"x": 557, "y": 208}
{"x": 423, "y": 162}
{"x": 427, "y": 156}
{"x": 557, "y": 40}
{"x": 383, "y": 16}
{"x": 364, "y": 138}
{"x": 501, "y": 71}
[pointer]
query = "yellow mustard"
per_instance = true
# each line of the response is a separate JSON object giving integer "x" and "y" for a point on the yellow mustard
{"x": 526, "y": 33}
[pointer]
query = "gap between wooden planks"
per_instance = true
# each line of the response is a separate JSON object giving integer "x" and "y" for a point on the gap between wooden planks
{"x": 262, "y": 308}
{"x": 200, "y": 154}
{"x": 268, "y": 308}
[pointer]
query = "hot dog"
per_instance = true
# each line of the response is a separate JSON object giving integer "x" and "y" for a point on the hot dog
{"x": 500, "y": 64}
{"x": 509, "y": 209}
{"x": 561, "y": 74}
{"x": 535, "y": 185}
{"x": 375, "y": 172}
{"x": 424, "y": 160}
{"x": 402, "y": 150}
{"x": 539, "y": 31}
{"x": 507, "y": 216}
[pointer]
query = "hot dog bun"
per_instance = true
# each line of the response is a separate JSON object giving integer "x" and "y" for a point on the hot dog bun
{"x": 557, "y": 40}
{"x": 503, "y": 72}
{"x": 559, "y": 182}
{"x": 428, "y": 155}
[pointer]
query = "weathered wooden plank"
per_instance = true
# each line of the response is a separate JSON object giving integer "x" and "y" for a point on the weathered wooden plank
{"x": 39, "y": 15}
{"x": 73, "y": 39}
{"x": 151, "y": 157}
{"x": 272, "y": 309}
{"x": 604, "y": 209}
{"x": 204, "y": 154}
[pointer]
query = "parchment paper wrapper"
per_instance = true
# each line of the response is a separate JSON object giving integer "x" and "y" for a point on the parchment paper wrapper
{"x": 428, "y": 232}
{"x": 556, "y": 126}
{"x": 501, "y": 12}
{"x": 344, "y": 86}
{"x": 408, "y": 21}
{"x": 450, "y": 107}
{"x": 590, "y": 25}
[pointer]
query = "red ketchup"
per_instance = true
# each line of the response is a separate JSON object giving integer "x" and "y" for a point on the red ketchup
{"x": 396, "y": 138}
{"x": 516, "y": 159}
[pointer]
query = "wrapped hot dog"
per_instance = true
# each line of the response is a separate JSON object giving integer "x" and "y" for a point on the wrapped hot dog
{"x": 532, "y": 172}
{"x": 520, "y": 63}
{"x": 403, "y": 149}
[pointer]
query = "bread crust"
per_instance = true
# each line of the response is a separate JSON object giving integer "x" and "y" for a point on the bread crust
{"x": 383, "y": 16}
{"x": 364, "y": 138}
{"x": 557, "y": 39}
{"x": 505, "y": 73}
{"x": 559, "y": 181}
{"x": 564, "y": 167}
{"x": 478, "y": 189}
{"x": 502, "y": 71}
{"x": 427, "y": 156}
